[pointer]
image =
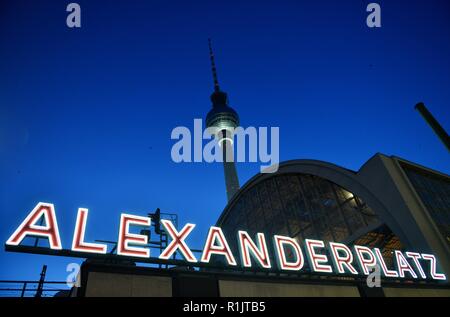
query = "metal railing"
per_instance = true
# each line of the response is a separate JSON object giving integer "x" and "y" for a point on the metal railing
{"x": 16, "y": 288}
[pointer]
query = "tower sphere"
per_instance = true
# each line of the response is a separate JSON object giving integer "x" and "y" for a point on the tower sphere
{"x": 221, "y": 116}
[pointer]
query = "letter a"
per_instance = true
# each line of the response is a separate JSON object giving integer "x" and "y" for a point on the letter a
{"x": 374, "y": 18}
{"x": 74, "y": 18}
{"x": 29, "y": 227}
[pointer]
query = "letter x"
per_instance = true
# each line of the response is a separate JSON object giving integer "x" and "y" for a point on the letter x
{"x": 177, "y": 241}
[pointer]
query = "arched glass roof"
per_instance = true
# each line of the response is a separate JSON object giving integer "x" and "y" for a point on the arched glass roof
{"x": 305, "y": 206}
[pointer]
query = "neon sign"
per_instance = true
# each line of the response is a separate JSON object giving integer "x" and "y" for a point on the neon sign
{"x": 329, "y": 258}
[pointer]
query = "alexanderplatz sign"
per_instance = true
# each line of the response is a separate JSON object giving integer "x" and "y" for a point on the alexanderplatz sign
{"x": 323, "y": 258}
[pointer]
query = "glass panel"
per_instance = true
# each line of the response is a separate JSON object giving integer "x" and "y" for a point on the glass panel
{"x": 434, "y": 191}
{"x": 305, "y": 206}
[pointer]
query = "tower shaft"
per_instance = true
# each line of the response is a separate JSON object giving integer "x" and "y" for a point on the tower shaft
{"x": 229, "y": 167}
{"x": 223, "y": 120}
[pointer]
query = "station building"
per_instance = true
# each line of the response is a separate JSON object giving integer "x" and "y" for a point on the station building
{"x": 390, "y": 203}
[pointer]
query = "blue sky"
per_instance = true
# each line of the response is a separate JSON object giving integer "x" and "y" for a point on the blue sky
{"x": 86, "y": 114}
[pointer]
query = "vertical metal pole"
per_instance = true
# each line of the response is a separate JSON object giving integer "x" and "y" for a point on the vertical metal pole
{"x": 41, "y": 222}
{"x": 41, "y": 282}
{"x": 160, "y": 247}
{"x": 23, "y": 289}
{"x": 434, "y": 124}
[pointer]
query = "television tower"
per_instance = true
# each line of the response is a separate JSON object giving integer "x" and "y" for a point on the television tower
{"x": 222, "y": 119}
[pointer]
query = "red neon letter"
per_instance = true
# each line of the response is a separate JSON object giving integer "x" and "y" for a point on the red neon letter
{"x": 433, "y": 263}
{"x": 29, "y": 227}
{"x": 78, "y": 243}
{"x": 365, "y": 263}
{"x": 178, "y": 241}
{"x": 415, "y": 257}
{"x": 386, "y": 271}
{"x": 316, "y": 260}
{"x": 403, "y": 265}
{"x": 280, "y": 242}
{"x": 126, "y": 238}
{"x": 216, "y": 234}
{"x": 259, "y": 252}
{"x": 340, "y": 261}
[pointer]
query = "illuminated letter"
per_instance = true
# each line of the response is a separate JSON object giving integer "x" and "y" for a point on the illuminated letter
{"x": 259, "y": 252}
{"x": 403, "y": 265}
{"x": 316, "y": 260}
{"x": 178, "y": 241}
{"x": 283, "y": 263}
{"x": 126, "y": 238}
{"x": 386, "y": 271}
{"x": 29, "y": 227}
{"x": 433, "y": 273}
{"x": 415, "y": 257}
{"x": 339, "y": 261}
{"x": 78, "y": 243}
{"x": 365, "y": 263}
{"x": 216, "y": 234}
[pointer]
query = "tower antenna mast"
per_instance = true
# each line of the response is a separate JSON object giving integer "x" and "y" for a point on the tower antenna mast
{"x": 213, "y": 67}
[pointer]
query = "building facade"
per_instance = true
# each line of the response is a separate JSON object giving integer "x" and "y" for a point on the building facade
{"x": 390, "y": 203}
